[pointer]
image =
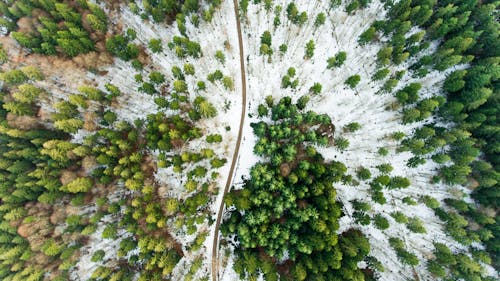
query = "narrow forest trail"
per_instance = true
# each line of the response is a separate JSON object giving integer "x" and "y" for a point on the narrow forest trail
{"x": 215, "y": 245}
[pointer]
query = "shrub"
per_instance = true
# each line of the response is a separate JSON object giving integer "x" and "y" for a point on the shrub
{"x": 119, "y": 46}
{"x": 399, "y": 182}
{"x": 14, "y": 77}
{"x": 436, "y": 269}
{"x": 409, "y": 201}
{"x": 219, "y": 55}
{"x": 262, "y": 110}
{"x": 354, "y": 5}
{"x": 189, "y": 69}
{"x": 367, "y": 36}
{"x": 399, "y": 217}
{"x": 353, "y": 81}
{"x": 201, "y": 85}
{"x": 341, "y": 143}
{"x": 228, "y": 83}
{"x": 361, "y": 218}
{"x": 109, "y": 232}
{"x": 283, "y": 48}
{"x": 155, "y": 45}
{"x": 416, "y": 225}
{"x": 385, "y": 168}
{"x": 378, "y": 197}
{"x": 352, "y": 127}
{"x": 363, "y": 173}
{"x": 361, "y": 206}
{"x": 381, "y": 222}
{"x": 315, "y": 88}
{"x": 78, "y": 185}
{"x": 98, "y": 256}
{"x": 337, "y": 60}
{"x": 380, "y": 74}
{"x": 309, "y": 52}
{"x": 266, "y": 38}
{"x": 430, "y": 202}
{"x": 156, "y": 77}
{"x": 398, "y": 135}
{"x": 320, "y": 20}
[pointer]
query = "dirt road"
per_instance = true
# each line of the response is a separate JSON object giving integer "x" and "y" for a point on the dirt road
{"x": 215, "y": 249}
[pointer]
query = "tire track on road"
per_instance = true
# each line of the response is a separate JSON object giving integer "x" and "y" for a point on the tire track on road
{"x": 215, "y": 245}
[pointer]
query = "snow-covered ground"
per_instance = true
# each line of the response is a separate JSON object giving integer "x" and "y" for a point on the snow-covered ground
{"x": 220, "y": 34}
{"x": 344, "y": 105}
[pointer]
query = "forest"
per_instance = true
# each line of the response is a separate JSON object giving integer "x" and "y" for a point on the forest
{"x": 288, "y": 206}
{"x": 366, "y": 149}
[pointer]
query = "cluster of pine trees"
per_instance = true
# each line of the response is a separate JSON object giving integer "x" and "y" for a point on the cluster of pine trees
{"x": 168, "y": 132}
{"x": 49, "y": 171}
{"x": 121, "y": 150}
{"x": 43, "y": 169}
{"x": 287, "y": 212}
{"x": 38, "y": 167}
{"x": 179, "y": 11}
{"x": 469, "y": 33}
{"x": 55, "y": 27}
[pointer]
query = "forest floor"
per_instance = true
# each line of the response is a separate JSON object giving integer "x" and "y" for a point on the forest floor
{"x": 215, "y": 245}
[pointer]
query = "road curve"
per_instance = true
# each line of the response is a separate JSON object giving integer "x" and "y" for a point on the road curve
{"x": 215, "y": 249}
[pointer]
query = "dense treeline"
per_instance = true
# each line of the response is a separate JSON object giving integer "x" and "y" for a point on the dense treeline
{"x": 53, "y": 27}
{"x": 43, "y": 171}
{"x": 38, "y": 167}
{"x": 466, "y": 147}
{"x": 469, "y": 33}
{"x": 176, "y": 10}
{"x": 287, "y": 212}
{"x": 122, "y": 158}
{"x": 286, "y": 216}
{"x": 112, "y": 168}
{"x": 121, "y": 150}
